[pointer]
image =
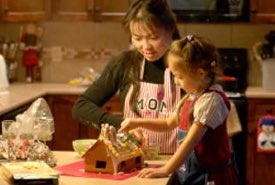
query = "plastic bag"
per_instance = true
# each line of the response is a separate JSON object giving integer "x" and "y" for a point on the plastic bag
{"x": 37, "y": 121}
{"x": 31, "y": 127}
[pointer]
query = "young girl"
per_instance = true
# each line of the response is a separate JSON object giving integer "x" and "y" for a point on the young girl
{"x": 200, "y": 118}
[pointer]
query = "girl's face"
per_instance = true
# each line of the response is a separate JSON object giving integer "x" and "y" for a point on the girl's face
{"x": 152, "y": 44}
{"x": 189, "y": 82}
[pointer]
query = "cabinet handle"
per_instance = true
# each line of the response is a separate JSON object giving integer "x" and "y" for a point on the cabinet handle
{"x": 90, "y": 10}
{"x": 5, "y": 10}
{"x": 108, "y": 108}
{"x": 113, "y": 14}
{"x": 269, "y": 111}
{"x": 90, "y": 6}
{"x": 97, "y": 7}
{"x": 251, "y": 132}
{"x": 5, "y": 6}
{"x": 93, "y": 7}
{"x": 118, "y": 114}
{"x": 251, "y": 128}
{"x": 96, "y": 11}
{"x": 254, "y": 11}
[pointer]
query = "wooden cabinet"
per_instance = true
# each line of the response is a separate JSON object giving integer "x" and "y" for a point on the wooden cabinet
{"x": 114, "y": 106}
{"x": 95, "y": 10}
{"x": 25, "y": 10}
{"x": 260, "y": 166}
{"x": 80, "y": 10}
{"x": 263, "y": 11}
{"x": 66, "y": 128}
{"x": 108, "y": 10}
{"x": 65, "y": 10}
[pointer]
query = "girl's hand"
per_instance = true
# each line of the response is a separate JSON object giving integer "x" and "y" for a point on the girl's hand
{"x": 153, "y": 173}
{"x": 126, "y": 126}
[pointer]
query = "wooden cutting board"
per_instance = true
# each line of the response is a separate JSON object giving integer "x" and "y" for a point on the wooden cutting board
{"x": 28, "y": 172}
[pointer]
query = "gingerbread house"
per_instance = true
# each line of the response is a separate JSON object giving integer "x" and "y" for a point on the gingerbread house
{"x": 113, "y": 153}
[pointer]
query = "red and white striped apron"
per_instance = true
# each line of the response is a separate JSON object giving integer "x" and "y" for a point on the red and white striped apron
{"x": 156, "y": 101}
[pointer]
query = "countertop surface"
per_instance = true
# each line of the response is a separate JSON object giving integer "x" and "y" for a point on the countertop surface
{"x": 22, "y": 93}
{"x": 259, "y": 92}
{"x": 19, "y": 94}
{"x": 65, "y": 157}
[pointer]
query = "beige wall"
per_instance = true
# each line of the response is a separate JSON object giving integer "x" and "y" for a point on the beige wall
{"x": 82, "y": 44}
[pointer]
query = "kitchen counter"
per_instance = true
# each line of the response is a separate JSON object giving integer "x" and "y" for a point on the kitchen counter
{"x": 23, "y": 93}
{"x": 68, "y": 157}
{"x": 259, "y": 92}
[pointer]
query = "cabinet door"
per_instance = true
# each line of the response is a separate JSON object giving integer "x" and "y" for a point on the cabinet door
{"x": 110, "y": 10}
{"x": 114, "y": 106}
{"x": 66, "y": 129}
{"x": 259, "y": 165}
{"x": 71, "y": 10}
{"x": 263, "y": 11}
{"x": 25, "y": 10}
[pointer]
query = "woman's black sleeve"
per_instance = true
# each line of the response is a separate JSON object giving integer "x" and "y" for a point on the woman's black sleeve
{"x": 87, "y": 108}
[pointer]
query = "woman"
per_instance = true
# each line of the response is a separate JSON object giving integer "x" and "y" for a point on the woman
{"x": 139, "y": 75}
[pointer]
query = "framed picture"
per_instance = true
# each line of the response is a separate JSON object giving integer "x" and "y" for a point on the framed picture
{"x": 266, "y": 134}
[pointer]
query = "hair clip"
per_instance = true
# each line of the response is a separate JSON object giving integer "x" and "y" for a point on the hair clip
{"x": 189, "y": 37}
{"x": 213, "y": 63}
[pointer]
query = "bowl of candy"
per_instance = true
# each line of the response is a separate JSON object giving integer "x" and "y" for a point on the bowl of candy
{"x": 80, "y": 146}
{"x": 151, "y": 152}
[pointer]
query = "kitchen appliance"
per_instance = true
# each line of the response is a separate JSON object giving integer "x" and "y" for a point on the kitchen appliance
{"x": 234, "y": 82}
{"x": 268, "y": 68}
{"x": 270, "y": 45}
{"x": 211, "y": 10}
{"x": 234, "y": 66}
{"x": 4, "y": 83}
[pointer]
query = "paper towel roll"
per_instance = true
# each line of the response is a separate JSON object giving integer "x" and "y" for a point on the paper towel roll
{"x": 4, "y": 83}
{"x": 268, "y": 69}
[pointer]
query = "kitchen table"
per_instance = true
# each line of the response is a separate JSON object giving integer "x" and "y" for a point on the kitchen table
{"x": 65, "y": 157}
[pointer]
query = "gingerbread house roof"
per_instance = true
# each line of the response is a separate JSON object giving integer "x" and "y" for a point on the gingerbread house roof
{"x": 113, "y": 155}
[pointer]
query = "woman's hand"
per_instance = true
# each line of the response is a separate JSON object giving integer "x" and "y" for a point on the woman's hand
{"x": 153, "y": 173}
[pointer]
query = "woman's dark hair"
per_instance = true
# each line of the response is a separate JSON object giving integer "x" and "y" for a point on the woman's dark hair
{"x": 155, "y": 14}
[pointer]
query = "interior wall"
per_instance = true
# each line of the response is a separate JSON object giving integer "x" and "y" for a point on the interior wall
{"x": 68, "y": 47}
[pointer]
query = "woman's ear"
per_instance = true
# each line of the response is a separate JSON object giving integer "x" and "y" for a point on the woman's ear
{"x": 201, "y": 73}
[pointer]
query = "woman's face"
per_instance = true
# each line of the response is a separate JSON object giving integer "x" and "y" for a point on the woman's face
{"x": 189, "y": 82}
{"x": 152, "y": 44}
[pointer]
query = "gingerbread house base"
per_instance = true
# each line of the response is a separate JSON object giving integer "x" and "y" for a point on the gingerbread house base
{"x": 113, "y": 154}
